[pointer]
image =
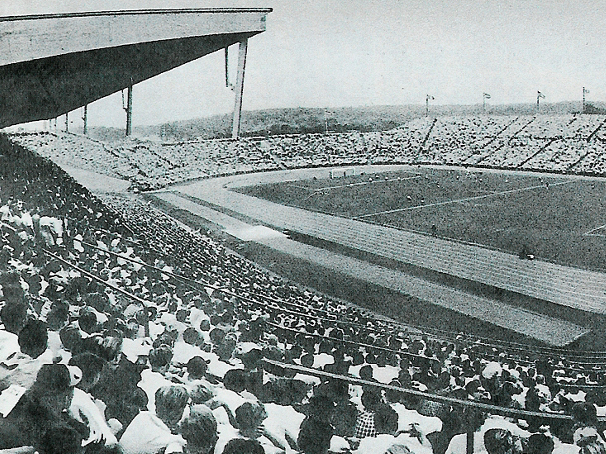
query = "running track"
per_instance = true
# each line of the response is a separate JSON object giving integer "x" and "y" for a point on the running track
{"x": 538, "y": 326}
{"x": 572, "y": 287}
{"x": 566, "y": 286}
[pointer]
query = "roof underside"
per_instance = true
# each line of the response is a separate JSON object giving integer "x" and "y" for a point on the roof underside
{"x": 53, "y": 64}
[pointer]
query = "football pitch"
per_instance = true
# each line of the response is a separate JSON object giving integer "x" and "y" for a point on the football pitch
{"x": 560, "y": 219}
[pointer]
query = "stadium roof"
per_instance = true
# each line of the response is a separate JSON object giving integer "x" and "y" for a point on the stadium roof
{"x": 54, "y": 63}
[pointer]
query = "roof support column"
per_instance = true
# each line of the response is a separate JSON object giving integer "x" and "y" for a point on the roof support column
{"x": 239, "y": 89}
{"x": 129, "y": 110}
{"x": 85, "y": 120}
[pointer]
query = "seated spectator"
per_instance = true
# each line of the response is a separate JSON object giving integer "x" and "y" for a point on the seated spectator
{"x": 170, "y": 404}
{"x": 501, "y": 441}
{"x": 22, "y": 368}
{"x": 160, "y": 358}
{"x": 117, "y": 388}
{"x": 316, "y": 431}
{"x": 87, "y": 321}
{"x": 249, "y": 419}
{"x": 386, "y": 419}
{"x": 243, "y": 446}
{"x": 33, "y": 338}
{"x": 150, "y": 433}
{"x": 592, "y": 447}
{"x": 83, "y": 407}
{"x": 365, "y": 423}
{"x": 199, "y": 430}
{"x": 539, "y": 444}
{"x": 41, "y": 408}
{"x": 13, "y": 316}
{"x": 586, "y": 425}
{"x": 197, "y": 367}
{"x": 108, "y": 347}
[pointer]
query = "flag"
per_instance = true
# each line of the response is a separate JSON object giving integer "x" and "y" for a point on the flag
{"x": 429, "y": 97}
{"x": 540, "y": 95}
{"x": 585, "y": 90}
{"x": 486, "y": 96}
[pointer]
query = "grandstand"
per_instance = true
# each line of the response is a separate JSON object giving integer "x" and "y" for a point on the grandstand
{"x": 111, "y": 265}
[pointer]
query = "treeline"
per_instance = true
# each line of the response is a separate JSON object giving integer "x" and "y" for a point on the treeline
{"x": 319, "y": 120}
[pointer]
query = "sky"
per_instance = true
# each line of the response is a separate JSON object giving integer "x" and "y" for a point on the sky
{"x": 341, "y": 53}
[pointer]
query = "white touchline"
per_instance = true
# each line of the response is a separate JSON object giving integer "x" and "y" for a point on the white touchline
{"x": 446, "y": 202}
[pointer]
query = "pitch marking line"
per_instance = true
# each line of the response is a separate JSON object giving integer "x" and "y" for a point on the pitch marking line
{"x": 328, "y": 188}
{"x": 466, "y": 199}
{"x": 590, "y": 233}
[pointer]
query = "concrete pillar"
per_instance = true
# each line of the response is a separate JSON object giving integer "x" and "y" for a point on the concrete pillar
{"x": 85, "y": 119}
{"x": 129, "y": 111}
{"x": 239, "y": 88}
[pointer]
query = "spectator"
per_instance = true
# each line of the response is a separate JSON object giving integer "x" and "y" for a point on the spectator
{"x": 539, "y": 444}
{"x": 149, "y": 433}
{"x": 316, "y": 431}
{"x": 40, "y": 409}
{"x": 199, "y": 430}
{"x": 365, "y": 423}
{"x": 501, "y": 441}
{"x": 243, "y": 446}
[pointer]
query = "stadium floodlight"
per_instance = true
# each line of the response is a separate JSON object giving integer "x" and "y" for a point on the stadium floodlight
{"x": 485, "y": 96}
{"x": 585, "y": 91}
{"x": 427, "y": 98}
{"x": 539, "y": 97}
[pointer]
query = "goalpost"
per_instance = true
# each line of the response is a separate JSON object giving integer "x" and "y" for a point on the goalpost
{"x": 346, "y": 172}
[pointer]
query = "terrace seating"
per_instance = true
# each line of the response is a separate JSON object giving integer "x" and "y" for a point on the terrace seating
{"x": 531, "y": 142}
{"x": 222, "y": 307}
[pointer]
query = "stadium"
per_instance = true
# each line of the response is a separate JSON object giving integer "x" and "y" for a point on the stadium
{"x": 437, "y": 287}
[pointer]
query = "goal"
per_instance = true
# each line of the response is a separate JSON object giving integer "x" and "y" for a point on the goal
{"x": 346, "y": 172}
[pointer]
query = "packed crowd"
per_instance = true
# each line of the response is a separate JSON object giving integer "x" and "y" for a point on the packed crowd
{"x": 571, "y": 143}
{"x": 124, "y": 331}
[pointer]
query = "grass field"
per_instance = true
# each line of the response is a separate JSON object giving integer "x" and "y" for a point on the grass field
{"x": 559, "y": 219}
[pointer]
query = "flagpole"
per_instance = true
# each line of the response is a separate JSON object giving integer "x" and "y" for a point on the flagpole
{"x": 539, "y": 96}
{"x": 485, "y": 96}
{"x": 427, "y": 98}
